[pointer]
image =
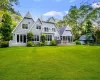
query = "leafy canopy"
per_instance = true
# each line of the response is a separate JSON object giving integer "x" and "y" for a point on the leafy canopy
{"x": 5, "y": 29}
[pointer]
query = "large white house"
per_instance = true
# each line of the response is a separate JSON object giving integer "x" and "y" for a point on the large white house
{"x": 49, "y": 28}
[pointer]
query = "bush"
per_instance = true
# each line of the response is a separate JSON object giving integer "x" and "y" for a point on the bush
{"x": 43, "y": 38}
{"x": 77, "y": 42}
{"x": 41, "y": 44}
{"x": 4, "y": 44}
{"x": 30, "y": 36}
{"x": 53, "y": 43}
{"x": 30, "y": 44}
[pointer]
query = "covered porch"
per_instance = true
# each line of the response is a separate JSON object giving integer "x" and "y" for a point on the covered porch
{"x": 66, "y": 39}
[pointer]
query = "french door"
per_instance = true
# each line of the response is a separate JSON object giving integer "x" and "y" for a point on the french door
{"x": 21, "y": 38}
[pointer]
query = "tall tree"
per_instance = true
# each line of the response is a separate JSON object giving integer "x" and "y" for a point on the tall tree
{"x": 7, "y": 5}
{"x": 6, "y": 27}
{"x": 78, "y": 17}
{"x": 97, "y": 35}
{"x": 89, "y": 27}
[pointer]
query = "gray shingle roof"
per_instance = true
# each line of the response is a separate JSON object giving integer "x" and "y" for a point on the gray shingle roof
{"x": 67, "y": 28}
{"x": 84, "y": 37}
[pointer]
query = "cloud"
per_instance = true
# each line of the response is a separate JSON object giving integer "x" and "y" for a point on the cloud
{"x": 66, "y": 12}
{"x": 96, "y": 5}
{"x": 53, "y": 13}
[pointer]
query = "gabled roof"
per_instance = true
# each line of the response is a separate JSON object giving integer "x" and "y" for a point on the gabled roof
{"x": 51, "y": 18}
{"x": 63, "y": 29}
{"x": 84, "y": 37}
{"x": 28, "y": 15}
{"x": 48, "y": 22}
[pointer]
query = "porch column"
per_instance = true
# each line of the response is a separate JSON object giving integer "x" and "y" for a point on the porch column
{"x": 70, "y": 39}
{"x": 19, "y": 38}
{"x": 67, "y": 39}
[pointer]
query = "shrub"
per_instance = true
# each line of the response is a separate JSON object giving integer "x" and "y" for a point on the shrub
{"x": 43, "y": 38}
{"x": 30, "y": 44}
{"x": 77, "y": 42}
{"x": 53, "y": 43}
{"x": 41, "y": 44}
{"x": 4, "y": 44}
{"x": 29, "y": 36}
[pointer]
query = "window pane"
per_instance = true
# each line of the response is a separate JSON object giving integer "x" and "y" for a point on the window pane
{"x": 25, "y": 26}
{"x": 37, "y": 37}
{"x": 20, "y": 38}
{"x": 24, "y": 38}
{"x": 50, "y": 37}
{"x": 64, "y": 38}
{"x": 17, "y": 38}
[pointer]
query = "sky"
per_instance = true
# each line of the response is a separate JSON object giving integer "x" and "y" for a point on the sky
{"x": 47, "y": 8}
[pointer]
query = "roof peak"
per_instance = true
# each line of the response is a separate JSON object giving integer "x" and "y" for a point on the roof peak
{"x": 28, "y": 15}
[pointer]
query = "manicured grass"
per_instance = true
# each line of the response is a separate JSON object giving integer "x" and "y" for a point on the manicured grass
{"x": 50, "y": 63}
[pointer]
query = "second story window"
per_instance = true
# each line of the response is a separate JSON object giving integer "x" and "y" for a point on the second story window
{"x": 53, "y": 29}
{"x": 46, "y": 29}
{"x": 25, "y": 26}
{"x": 38, "y": 27}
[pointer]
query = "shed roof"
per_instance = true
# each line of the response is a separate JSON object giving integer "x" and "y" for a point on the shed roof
{"x": 84, "y": 37}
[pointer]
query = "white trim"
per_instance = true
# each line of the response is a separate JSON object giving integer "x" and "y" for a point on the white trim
{"x": 21, "y": 24}
{"x": 34, "y": 25}
{"x": 17, "y": 25}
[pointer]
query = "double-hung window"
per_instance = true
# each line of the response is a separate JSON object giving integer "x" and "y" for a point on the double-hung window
{"x": 36, "y": 38}
{"x": 48, "y": 37}
{"x": 25, "y": 26}
{"x": 46, "y": 29}
{"x": 53, "y": 29}
{"x": 38, "y": 27}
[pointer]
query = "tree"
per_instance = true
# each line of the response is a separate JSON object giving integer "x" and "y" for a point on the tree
{"x": 89, "y": 27}
{"x": 6, "y": 27}
{"x": 97, "y": 35}
{"x": 43, "y": 38}
{"x": 7, "y": 5}
{"x": 29, "y": 36}
{"x": 78, "y": 17}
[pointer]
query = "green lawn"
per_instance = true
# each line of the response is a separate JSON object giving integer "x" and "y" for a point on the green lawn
{"x": 50, "y": 63}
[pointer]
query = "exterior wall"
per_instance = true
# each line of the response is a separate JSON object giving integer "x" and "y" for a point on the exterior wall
{"x": 68, "y": 35}
{"x": 43, "y": 25}
{"x": 82, "y": 42}
{"x": 50, "y": 26}
{"x": 32, "y": 28}
{"x": 19, "y": 30}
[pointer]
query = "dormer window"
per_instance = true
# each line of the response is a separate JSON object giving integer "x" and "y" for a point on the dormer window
{"x": 46, "y": 29}
{"x": 25, "y": 26}
{"x": 38, "y": 27}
